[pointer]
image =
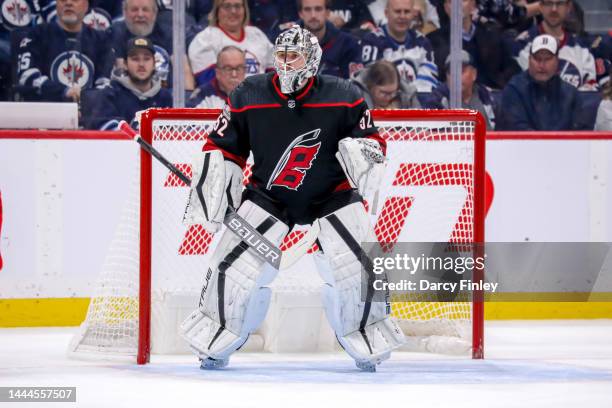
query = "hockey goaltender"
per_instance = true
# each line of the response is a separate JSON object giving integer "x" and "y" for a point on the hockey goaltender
{"x": 316, "y": 151}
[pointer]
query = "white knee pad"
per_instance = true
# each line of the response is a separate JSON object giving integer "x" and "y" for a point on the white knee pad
{"x": 233, "y": 301}
{"x": 364, "y": 328}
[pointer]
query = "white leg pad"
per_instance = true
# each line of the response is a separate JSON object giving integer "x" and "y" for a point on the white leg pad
{"x": 374, "y": 344}
{"x": 233, "y": 302}
{"x": 199, "y": 329}
{"x": 364, "y": 328}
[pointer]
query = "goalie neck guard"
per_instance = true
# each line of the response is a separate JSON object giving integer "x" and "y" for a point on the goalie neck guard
{"x": 297, "y": 55}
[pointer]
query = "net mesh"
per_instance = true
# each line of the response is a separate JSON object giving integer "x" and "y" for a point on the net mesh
{"x": 426, "y": 196}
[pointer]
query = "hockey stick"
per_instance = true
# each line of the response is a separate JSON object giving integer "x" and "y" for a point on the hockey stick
{"x": 261, "y": 246}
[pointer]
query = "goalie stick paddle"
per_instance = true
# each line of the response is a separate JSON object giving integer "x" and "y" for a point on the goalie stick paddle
{"x": 261, "y": 246}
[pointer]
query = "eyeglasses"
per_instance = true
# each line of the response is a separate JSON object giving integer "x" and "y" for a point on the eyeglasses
{"x": 230, "y": 6}
{"x": 229, "y": 70}
{"x": 551, "y": 4}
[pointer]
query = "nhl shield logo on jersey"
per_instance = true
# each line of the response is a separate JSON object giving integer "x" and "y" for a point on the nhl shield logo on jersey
{"x": 16, "y": 14}
{"x": 295, "y": 162}
{"x": 73, "y": 68}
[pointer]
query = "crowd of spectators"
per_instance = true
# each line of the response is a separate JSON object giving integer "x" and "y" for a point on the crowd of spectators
{"x": 527, "y": 64}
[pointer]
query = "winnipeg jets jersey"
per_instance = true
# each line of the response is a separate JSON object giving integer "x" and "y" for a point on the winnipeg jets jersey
{"x": 576, "y": 63}
{"x": 51, "y": 60}
{"x": 206, "y": 45}
{"x": 208, "y": 96}
{"x": 293, "y": 138}
{"x": 414, "y": 57}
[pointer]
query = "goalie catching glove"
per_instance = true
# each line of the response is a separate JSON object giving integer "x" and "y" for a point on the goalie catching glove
{"x": 216, "y": 183}
{"x": 363, "y": 162}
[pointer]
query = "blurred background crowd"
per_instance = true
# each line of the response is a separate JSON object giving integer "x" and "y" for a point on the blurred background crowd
{"x": 526, "y": 65}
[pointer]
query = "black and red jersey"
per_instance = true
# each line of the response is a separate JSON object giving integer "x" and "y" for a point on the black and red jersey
{"x": 293, "y": 138}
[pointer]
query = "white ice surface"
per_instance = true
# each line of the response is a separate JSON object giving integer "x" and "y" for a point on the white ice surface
{"x": 528, "y": 364}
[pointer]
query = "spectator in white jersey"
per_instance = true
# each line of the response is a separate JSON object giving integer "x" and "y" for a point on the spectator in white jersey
{"x": 229, "y": 72}
{"x": 382, "y": 88}
{"x": 229, "y": 21}
{"x": 576, "y": 63}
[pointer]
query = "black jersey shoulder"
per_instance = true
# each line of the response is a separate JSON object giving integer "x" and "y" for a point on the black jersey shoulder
{"x": 254, "y": 90}
{"x": 332, "y": 89}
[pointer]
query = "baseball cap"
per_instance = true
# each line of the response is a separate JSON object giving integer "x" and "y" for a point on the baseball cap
{"x": 139, "y": 42}
{"x": 544, "y": 42}
{"x": 466, "y": 59}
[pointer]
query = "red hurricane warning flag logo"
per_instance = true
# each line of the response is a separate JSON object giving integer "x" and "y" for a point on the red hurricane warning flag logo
{"x": 295, "y": 161}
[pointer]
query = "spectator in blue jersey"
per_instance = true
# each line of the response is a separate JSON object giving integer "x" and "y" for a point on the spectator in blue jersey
{"x": 341, "y": 53}
{"x": 576, "y": 63}
{"x": 99, "y": 16}
{"x": 473, "y": 95}
{"x": 57, "y": 60}
{"x": 490, "y": 54}
{"x": 140, "y": 19}
{"x": 382, "y": 87}
{"x": 230, "y": 70}
{"x": 538, "y": 99}
{"x": 408, "y": 49}
{"x": 14, "y": 15}
{"x": 137, "y": 90}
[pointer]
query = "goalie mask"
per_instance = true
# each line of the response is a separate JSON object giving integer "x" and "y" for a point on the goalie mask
{"x": 297, "y": 55}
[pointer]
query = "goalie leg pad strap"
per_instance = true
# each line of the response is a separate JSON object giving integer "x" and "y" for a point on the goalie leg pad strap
{"x": 233, "y": 301}
{"x": 364, "y": 328}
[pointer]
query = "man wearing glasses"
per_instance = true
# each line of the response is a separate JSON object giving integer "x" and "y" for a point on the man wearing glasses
{"x": 228, "y": 25}
{"x": 229, "y": 72}
{"x": 576, "y": 63}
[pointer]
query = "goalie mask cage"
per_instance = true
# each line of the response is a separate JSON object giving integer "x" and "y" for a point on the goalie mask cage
{"x": 433, "y": 191}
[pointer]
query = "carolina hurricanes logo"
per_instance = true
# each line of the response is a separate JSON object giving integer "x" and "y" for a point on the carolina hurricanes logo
{"x": 295, "y": 161}
{"x": 17, "y": 13}
{"x": 72, "y": 68}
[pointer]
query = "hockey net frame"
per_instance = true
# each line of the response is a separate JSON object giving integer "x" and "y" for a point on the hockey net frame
{"x": 478, "y": 206}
